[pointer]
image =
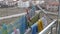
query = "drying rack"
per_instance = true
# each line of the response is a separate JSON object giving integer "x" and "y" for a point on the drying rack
{"x": 49, "y": 27}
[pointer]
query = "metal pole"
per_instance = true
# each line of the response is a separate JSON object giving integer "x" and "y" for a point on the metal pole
{"x": 51, "y": 30}
{"x": 59, "y": 18}
{"x": 57, "y": 27}
{"x": 12, "y": 16}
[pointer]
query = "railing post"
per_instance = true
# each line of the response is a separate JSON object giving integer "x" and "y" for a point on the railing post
{"x": 59, "y": 18}
{"x": 51, "y": 30}
{"x": 57, "y": 27}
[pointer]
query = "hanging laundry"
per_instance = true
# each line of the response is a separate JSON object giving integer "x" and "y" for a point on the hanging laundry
{"x": 17, "y": 23}
{"x": 26, "y": 22}
{"x": 40, "y": 25}
{"x": 16, "y": 31}
{"x": 4, "y": 29}
{"x": 44, "y": 20}
{"x": 33, "y": 28}
{"x": 30, "y": 14}
{"x": 28, "y": 31}
{"x": 37, "y": 29}
{"x": 32, "y": 11}
{"x": 23, "y": 24}
{"x": 10, "y": 28}
{"x": 28, "y": 19}
{"x": 34, "y": 19}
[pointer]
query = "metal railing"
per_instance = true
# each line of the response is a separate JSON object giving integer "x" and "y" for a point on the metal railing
{"x": 49, "y": 27}
{"x": 11, "y": 16}
{"x": 45, "y": 30}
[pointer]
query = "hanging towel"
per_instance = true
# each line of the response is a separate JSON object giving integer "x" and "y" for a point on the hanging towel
{"x": 40, "y": 25}
{"x": 34, "y": 28}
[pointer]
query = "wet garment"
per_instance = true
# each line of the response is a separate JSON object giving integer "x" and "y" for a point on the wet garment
{"x": 23, "y": 25}
{"x": 40, "y": 25}
{"x": 34, "y": 28}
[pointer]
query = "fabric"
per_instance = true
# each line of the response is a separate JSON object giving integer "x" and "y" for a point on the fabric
{"x": 44, "y": 20}
{"x": 33, "y": 28}
{"x": 10, "y": 28}
{"x": 23, "y": 24}
{"x": 30, "y": 14}
{"x": 17, "y": 30}
{"x": 34, "y": 19}
{"x": 40, "y": 25}
{"x": 32, "y": 11}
